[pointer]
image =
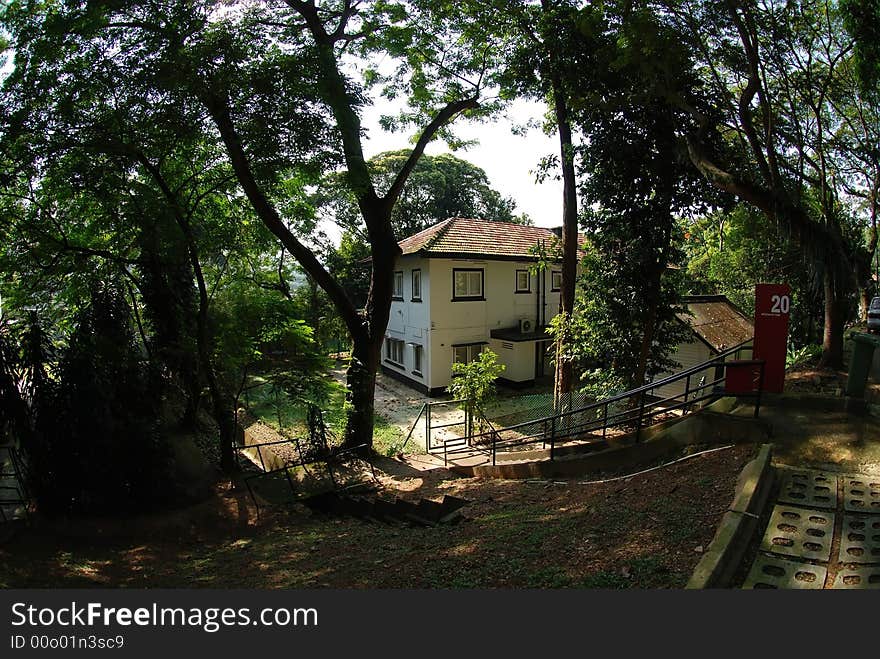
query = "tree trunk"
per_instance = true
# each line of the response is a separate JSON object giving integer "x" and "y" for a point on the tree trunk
{"x": 832, "y": 335}
{"x": 864, "y": 303}
{"x": 650, "y": 321}
{"x": 361, "y": 388}
{"x": 367, "y": 337}
{"x": 564, "y": 377}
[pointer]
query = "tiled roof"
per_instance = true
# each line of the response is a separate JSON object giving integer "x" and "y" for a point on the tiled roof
{"x": 717, "y": 321}
{"x": 460, "y": 236}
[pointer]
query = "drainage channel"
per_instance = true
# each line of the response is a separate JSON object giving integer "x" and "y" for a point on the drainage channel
{"x": 824, "y": 532}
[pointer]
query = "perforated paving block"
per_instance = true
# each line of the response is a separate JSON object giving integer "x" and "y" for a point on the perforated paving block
{"x": 858, "y": 578}
{"x": 860, "y": 539}
{"x": 772, "y": 572}
{"x": 861, "y": 493}
{"x": 808, "y": 488}
{"x": 799, "y": 532}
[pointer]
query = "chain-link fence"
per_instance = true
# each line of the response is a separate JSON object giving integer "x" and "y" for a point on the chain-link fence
{"x": 514, "y": 410}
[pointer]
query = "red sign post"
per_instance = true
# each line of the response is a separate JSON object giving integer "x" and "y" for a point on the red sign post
{"x": 772, "y": 307}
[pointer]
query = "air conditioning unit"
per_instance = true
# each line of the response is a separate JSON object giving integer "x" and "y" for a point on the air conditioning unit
{"x": 526, "y": 326}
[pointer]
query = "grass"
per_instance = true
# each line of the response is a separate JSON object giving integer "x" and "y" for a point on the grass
{"x": 280, "y": 411}
{"x": 641, "y": 533}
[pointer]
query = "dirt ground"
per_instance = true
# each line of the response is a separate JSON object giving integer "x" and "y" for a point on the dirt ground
{"x": 401, "y": 405}
{"x": 820, "y": 439}
{"x": 647, "y": 531}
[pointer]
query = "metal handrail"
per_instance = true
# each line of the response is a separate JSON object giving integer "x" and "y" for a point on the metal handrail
{"x": 413, "y": 427}
{"x": 644, "y": 388}
{"x": 639, "y": 414}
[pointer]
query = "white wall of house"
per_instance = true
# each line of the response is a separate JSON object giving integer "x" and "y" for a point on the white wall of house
{"x": 439, "y": 322}
{"x": 409, "y": 321}
{"x": 456, "y": 322}
{"x": 687, "y": 354}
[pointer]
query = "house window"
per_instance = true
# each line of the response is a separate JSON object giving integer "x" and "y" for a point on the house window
{"x": 467, "y": 284}
{"x": 416, "y": 285}
{"x": 465, "y": 354}
{"x": 523, "y": 281}
{"x": 397, "y": 290}
{"x": 417, "y": 359}
{"x": 555, "y": 281}
{"x": 394, "y": 351}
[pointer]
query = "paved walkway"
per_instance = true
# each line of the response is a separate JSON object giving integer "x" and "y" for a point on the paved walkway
{"x": 400, "y": 405}
{"x": 824, "y": 525}
{"x": 823, "y": 532}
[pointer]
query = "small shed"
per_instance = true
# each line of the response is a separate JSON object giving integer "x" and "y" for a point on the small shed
{"x": 715, "y": 325}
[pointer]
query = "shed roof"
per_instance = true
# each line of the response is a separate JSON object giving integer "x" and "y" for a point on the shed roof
{"x": 717, "y": 321}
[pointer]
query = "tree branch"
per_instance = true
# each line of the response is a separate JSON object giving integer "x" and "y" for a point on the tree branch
{"x": 221, "y": 115}
{"x": 442, "y": 118}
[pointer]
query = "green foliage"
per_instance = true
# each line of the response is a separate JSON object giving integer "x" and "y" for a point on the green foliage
{"x": 474, "y": 382}
{"x": 97, "y": 446}
{"x": 804, "y": 355}
{"x": 730, "y": 252}
{"x": 349, "y": 263}
{"x": 439, "y": 187}
{"x": 600, "y": 384}
{"x": 862, "y": 21}
{"x": 254, "y": 327}
{"x": 286, "y": 410}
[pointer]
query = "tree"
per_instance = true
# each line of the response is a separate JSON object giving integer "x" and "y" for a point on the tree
{"x": 132, "y": 176}
{"x": 541, "y": 38}
{"x": 96, "y": 445}
{"x": 270, "y": 84}
{"x": 774, "y": 70}
{"x": 439, "y": 187}
{"x": 474, "y": 383}
{"x": 636, "y": 184}
{"x": 729, "y": 252}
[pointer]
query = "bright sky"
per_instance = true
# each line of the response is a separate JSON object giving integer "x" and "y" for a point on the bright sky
{"x": 510, "y": 161}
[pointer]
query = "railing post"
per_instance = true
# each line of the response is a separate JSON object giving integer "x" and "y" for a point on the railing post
{"x": 641, "y": 411}
{"x": 428, "y": 428}
{"x": 412, "y": 429}
{"x": 687, "y": 391}
{"x": 552, "y": 437}
{"x": 605, "y": 420}
{"x": 494, "y": 445}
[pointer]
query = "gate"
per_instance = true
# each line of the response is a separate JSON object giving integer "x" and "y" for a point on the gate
{"x": 449, "y": 428}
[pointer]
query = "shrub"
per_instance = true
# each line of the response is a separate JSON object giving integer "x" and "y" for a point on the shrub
{"x": 475, "y": 382}
{"x": 97, "y": 446}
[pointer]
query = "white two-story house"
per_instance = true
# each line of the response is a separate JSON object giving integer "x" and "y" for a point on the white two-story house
{"x": 462, "y": 286}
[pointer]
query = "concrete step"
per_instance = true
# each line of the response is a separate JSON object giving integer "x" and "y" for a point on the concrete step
{"x": 397, "y": 512}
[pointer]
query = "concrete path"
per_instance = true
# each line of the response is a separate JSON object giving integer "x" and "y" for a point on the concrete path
{"x": 400, "y": 406}
{"x": 823, "y": 532}
{"x": 824, "y": 525}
